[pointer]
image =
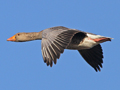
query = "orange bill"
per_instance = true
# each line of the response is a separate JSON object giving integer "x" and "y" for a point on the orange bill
{"x": 11, "y": 38}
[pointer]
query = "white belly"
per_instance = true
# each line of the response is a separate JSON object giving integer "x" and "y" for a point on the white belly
{"x": 86, "y": 44}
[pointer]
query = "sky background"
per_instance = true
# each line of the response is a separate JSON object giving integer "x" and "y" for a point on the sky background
{"x": 21, "y": 64}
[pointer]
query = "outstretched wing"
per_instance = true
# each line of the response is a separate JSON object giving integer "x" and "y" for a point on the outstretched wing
{"x": 54, "y": 43}
{"x": 93, "y": 56}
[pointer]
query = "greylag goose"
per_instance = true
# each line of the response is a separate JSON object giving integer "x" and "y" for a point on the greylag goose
{"x": 56, "y": 39}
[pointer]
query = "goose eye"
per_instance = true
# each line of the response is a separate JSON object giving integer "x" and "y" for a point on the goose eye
{"x": 18, "y": 34}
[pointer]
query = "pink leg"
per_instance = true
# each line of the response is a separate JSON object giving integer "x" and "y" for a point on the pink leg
{"x": 101, "y": 39}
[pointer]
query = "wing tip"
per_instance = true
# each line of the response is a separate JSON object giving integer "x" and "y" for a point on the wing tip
{"x": 98, "y": 69}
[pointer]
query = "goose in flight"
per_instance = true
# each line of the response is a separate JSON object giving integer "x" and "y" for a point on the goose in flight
{"x": 56, "y": 39}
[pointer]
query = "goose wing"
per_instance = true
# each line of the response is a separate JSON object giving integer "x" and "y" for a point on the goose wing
{"x": 93, "y": 56}
{"x": 54, "y": 41}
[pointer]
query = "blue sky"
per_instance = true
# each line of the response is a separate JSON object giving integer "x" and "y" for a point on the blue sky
{"x": 21, "y": 64}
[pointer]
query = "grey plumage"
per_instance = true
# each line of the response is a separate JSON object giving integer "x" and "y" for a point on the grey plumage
{"x": 56, "y": 39}
{"x": 54, "y": 43}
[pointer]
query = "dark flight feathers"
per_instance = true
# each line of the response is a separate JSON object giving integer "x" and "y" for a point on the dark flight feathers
{"x": 93, "y": 56}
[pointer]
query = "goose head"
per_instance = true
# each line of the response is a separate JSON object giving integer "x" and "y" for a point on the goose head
{"x": 23, "y": 37}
